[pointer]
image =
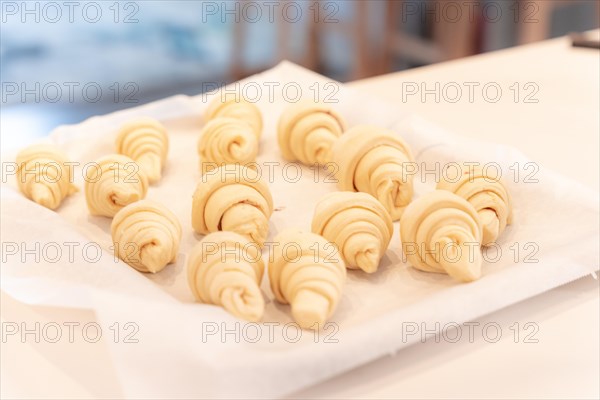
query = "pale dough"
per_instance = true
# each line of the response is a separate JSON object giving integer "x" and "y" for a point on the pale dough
{"x": 441, "y": 232}
{"x": 226, "y": 140}
{"x": 226, "y": 269}
{"x": 233, "y": 198}
{"x": 487, "y": 194}
{"x": 306, "y": 271}
{"x": 146, "y": 235}
{"x": 145, "y": 141}
{"x": 44, "y": 176}
{"x": 373, "y": 160}
{"x": 358, "y": 224}
{"x": 113, "y": 182}
{"x": 307, "y": 131}
{"x": 233, "y": 105}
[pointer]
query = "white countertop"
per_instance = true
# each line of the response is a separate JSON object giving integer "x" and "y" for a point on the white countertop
{"x": 560, "y": 131}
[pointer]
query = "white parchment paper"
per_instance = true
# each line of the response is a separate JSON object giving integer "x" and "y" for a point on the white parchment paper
{"x": 182, "y": 349}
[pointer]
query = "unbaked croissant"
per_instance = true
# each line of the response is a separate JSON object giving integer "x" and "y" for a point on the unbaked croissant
{"x": 235, "y": 106}
{"x": 374, "y": 160}
{"x": 113, "y": 183}
{"x": 226, "y": 269}
{"x": 145, "y": 141}
{"x": 358, "y": 224}
{"x": 487, "y": 194}
{"x": 441, "y": 232}
{"x": 306, "y": 271}
{"x": 146, "y": 235}
{"x": 226, "y": 141}
{"x": 233, "y": 198}
{"x": 306, "y": 132}
{"x": 44, "y": 176}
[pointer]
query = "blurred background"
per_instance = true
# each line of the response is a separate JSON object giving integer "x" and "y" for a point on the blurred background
{"x": 64, "y": 61}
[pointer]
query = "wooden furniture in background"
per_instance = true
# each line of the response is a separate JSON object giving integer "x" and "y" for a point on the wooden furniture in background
{"x": 377, "y": 51}
{"x": 450, "y": 39}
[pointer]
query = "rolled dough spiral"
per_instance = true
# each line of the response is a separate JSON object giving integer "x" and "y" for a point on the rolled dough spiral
{"x": 306, "y": 132}
{"x": 43, "y": 175}
{"x": 373, "y": 160}
{"x": 145, "y": 141}
{"x": 146, "y": 235}
{"x": 306, "y": 271}
{"x": 116, "y": 182}
{"x": 487, "y": 194}
{"x": 233, "y": 198}
{"x": 226, "y": 269}
{"x": 441, "y": 232}
{"x": 226, "y": 141}
{"x": 233, "y": 105}
{"x": 358, "y": 224}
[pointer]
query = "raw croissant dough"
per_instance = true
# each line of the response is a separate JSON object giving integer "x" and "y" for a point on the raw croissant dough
{"x": 146, "y": 235}
{"x": 306, "y": 271}
{"x": 233, "y": 198}
{"x": 372, "y": 160}
{"x": 226, "y": 141}
{"x": 306, "y": 132}
{"x": 487, "y": 194}
{"x": 226, "y": 269}
{"x": 358, "y": 224}
{"x": 43, "y": 175}
{"x": 235, "y": 106}
{"x": 116, "y": 182}
{"x": 145, "y": 141}
{"x": 441, "y": 232}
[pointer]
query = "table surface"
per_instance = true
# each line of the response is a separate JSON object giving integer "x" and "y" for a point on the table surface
{"x": 548, "y": 109}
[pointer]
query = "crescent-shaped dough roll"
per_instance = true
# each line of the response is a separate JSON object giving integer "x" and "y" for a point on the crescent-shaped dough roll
{"x": 373, "y": 160}
{"x": 146, "y": 236}
{"x": 487, "y": 194}
{"x": 233, "y": 105}
{"x": 43, "y": 175}
{"x": 307, "y": 131}
{"x": 226, "y": 141}
{"x": 306, "y": 271}
{"x": 226, "y": 269}
{"x": 358, "y": 224}
{"x": 113, "y": 183}
{"x": 145, "y": 141}
{"x": 441, "y": 232}
{"x": 233, "y": 198}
